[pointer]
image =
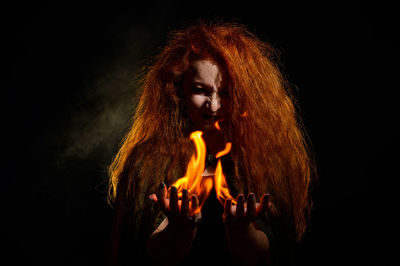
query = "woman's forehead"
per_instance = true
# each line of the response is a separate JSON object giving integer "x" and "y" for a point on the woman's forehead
{"x": 208, "y": 73}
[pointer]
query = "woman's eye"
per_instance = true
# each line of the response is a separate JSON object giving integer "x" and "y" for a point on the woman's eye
{"x": 224, "y": 93}
{"x": 198, "y": 90}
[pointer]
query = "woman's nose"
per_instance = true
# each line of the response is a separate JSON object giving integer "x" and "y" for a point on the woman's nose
{"x": 215, "y": 102}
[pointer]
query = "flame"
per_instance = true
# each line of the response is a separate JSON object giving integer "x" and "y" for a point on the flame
{"x": 244, "y": 114}
{"x": 193, "y": 181}
{"x": 221, "y": 187}
{"x": 225, "y": 151}
{"x": 216, "y": 124}
{"x": 200, "y": 185}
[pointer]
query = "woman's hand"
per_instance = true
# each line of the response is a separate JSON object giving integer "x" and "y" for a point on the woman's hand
{"x": 249, "y": 245}
{"x": 179, "y": 212}
{"x": 172, "y": 240}
{"x": 243, "y": 214}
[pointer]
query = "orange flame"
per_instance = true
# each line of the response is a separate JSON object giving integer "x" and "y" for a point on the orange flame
{"x": 200, "y": 185}
{"x": 193, "y": 181}
{"x": 221, "y": 187}
{"x": 244, "y": 114}
{"x": 225, "y": 151}
{"x": 216, "y": 124}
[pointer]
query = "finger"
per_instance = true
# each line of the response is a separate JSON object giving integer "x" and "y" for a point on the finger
{"x": 173, "y": 200}
{"x": 185, "y": 203}
{"x": 196, "y": 210}
{"x": 264, "y": 206}
{"x": 251, "y": 207}
{"x": 153, "y": 197}
{"x": 195, "y": 205}
{"x": 162, "y": 196}
{"x": 240, "y": 207}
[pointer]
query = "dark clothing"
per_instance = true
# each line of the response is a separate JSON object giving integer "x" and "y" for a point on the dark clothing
{"x": 210, "y": 246}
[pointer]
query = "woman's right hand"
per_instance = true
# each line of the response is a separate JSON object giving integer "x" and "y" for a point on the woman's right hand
{"x": 173, "y": 238}
{"x": 180, "y": 212}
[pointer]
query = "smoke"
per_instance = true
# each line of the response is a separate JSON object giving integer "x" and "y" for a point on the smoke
{"x": 100, "y": 125}
{"x": 102, "y": 114}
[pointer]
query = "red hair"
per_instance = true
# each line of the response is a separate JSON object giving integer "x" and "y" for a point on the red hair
{"x": 270, "y": 150}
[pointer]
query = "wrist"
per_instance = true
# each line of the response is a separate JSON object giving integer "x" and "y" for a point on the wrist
{"x": 242, "y": 229}
{"x": 178, "y": 229}
{"x": 248, "y": 244}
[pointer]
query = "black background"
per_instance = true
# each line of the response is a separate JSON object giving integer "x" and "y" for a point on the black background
{"x": 69, "y": 96}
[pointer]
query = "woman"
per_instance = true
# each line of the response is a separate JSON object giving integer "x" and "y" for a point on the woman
{"x": 210, "y": 73}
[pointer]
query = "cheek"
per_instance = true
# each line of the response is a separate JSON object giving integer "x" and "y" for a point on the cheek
{"x": 197, "y": 101}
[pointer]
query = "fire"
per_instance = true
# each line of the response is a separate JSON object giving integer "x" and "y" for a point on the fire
{"x": 200, "y": 185}
{"x": 217, "y": 125}
{"x": 193, "y": 181}
{"x": 221, "y": 187}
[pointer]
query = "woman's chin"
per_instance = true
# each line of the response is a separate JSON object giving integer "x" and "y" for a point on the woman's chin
{"x": 206, "y": 126}
{"x": 209, "y": 128}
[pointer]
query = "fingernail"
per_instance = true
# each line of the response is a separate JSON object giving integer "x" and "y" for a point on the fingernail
{"x": 251, "y": 196}
{"x": 162, "y": 185}
{"x": 173, "y": 189}
{"x": 184, "y": 192}
{"x": 241, "y": 197}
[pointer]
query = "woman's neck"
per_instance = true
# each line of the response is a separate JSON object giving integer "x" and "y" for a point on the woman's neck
{"x": 215, "y": 141}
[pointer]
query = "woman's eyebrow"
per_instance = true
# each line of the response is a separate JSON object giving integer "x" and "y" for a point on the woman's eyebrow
{"x": 208, "y": 87}
{"x": 203, "y": 85}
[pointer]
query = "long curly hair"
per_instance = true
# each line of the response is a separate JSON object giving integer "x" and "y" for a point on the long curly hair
{"x": 270, "y": 149}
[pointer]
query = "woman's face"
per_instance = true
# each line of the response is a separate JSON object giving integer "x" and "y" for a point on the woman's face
{"x": 207, "y": 96}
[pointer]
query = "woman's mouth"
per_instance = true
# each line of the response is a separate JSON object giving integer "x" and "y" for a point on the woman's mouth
{"x": 210, "y": 118}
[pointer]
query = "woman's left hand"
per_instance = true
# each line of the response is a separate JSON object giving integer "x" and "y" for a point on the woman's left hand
{"x": 249, "y": 245}
{"x": 243, "y": 214}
